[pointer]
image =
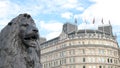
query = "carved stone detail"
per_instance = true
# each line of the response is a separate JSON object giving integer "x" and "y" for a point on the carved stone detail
{"x": 19, "y": 44}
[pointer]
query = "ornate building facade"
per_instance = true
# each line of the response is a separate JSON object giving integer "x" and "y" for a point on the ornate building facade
{"x": 81, "y": 49}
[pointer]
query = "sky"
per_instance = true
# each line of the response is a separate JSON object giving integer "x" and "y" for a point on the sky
{"x": 50, "y": 15}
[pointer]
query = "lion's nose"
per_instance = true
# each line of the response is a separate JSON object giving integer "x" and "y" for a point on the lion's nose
{"x": 35, "y": 30}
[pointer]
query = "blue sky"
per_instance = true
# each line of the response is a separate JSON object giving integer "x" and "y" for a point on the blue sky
{"x": 50, "y": 15}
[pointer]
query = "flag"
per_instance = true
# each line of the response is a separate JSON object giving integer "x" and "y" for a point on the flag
{"x": 102, "y": 21}
{"x": 93, "y": 21}
{"x": 75, "y": 20}
{"x": 85, "y": 21}
{"x": 109, "y": 22}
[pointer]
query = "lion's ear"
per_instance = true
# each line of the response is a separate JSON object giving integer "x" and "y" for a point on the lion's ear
{"x": 25, "y": 15}
{"x": 10, "y": 23}
{"x": 28, "y": 16}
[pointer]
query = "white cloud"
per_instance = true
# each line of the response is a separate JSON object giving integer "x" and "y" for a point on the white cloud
{"x": 52, "y": 35}
{"x": 70, "y": 4}
{"x": 58, "y": 6}
{"x": 106, "y": 9}
{"x": 80, "y": 8}
{"x": 87, "y": 26}
{"x": 3, "y": 7}
{"x": 67, "y": 15}
{"x": 51, "y": 25}
{"x": 52, "y": 28}
{"x": 9, "y": 10}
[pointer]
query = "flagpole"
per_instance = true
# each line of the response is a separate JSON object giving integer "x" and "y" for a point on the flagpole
{"x": 103, "y": 26}
{"x": 76, "y": 26}
{"x": 110, "y": 28}
{"x": 85, "y": 28}
{"x": 94, "y": 24}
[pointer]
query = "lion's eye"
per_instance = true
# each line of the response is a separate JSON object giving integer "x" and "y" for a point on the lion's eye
{"x": 24, "y": 25}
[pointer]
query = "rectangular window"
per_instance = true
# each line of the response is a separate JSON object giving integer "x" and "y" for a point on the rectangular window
{"x": 94, "y": 66}
{"x": 83, "y": 59}
{"x": 72, "y": 60}
{"x": 83, "y": 51}
{"x": 83, "y": 66}
{"x": 90, "y": 66}
{"x": 64, "y": 61}
{"x": 111, "y": 60}
{"x": 108, "y": 60}
{"x": 60, "y": 62}
{"x": 93, "y": 59}
{"x": 72, "y": 52}
{"x": 101, "y": 51}
{"x": 100, "y": 66}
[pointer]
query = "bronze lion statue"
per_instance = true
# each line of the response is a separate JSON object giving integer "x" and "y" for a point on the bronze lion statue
{"x": 19, "y": 44}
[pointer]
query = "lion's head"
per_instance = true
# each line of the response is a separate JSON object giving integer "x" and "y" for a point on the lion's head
{"x": 28, "y": 31}
{"x": 24, "y": 28}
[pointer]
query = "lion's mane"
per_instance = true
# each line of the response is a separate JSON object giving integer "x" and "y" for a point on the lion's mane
{"x": 13, "y": 53}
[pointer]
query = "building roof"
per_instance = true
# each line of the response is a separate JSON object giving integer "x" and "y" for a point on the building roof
{"x": 106, "y": 30}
